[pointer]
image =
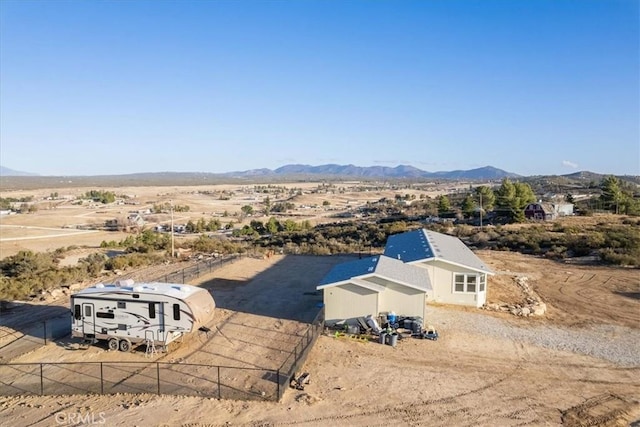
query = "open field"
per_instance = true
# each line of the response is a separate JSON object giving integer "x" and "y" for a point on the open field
{"x": 577, "y": 366}
{"x": 55, "y": 223}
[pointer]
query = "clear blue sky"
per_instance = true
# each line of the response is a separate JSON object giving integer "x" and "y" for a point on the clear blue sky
{"x": 111, "y": 87}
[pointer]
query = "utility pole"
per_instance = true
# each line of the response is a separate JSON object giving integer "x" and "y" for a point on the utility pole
{"x": 480, "y": 210}
{"x": 172, "y": 245}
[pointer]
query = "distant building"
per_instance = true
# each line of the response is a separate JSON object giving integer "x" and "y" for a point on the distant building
{"x": 547, "y": 211}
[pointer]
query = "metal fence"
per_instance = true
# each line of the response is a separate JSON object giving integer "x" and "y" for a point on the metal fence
{"x": 37, "y": 334}
{"x": 200, "y": 268}
{"x": 296, "y": 359}
{"x": 139, "y": 377}
{"x": 222, "y": 382}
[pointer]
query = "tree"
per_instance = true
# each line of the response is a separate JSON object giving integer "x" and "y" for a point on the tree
{"x": 612, "y": 196}
{"x": 267, "y": 206}
{"x": 569, "y": 198}
{"x": 486, "y": 198}
{"x": 247, "y": 210}
{"x": 513, "y": 198}
{"x": 468, "y": 206}
{"x": 444, "y": 205}
{"x": 273, "y": 226}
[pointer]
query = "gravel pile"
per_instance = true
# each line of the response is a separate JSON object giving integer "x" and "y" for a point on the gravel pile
{"x": 617, "y": 344}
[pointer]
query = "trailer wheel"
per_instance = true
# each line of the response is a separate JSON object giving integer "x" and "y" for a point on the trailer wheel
{"x": 113, "y": 344}
{"x": 125, "y": 345}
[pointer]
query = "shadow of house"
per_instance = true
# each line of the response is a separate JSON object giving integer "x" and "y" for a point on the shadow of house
{"x": 287, "y": 290}
{"x": 29, "y": 326}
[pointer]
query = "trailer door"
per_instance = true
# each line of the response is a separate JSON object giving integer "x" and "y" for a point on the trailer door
{"x": 156, "y": 317}
{"x": 88, "y": 319}
{"x": 161, "y": 323}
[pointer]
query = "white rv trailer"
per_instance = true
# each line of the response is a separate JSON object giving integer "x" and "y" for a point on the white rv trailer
{"x": 124, "y": 314}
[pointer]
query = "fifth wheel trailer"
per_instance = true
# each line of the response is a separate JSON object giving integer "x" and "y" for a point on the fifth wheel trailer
{"x": 125, "y": 313}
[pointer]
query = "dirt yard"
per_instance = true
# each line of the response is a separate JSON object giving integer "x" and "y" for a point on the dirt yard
{"x": 576, "y": 366}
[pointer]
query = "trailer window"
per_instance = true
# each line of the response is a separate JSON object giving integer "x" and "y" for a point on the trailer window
{"x": 122, "y": 304}
{"x": 122, "y": 327}
{"x": 176, "y": 311}
{"x": 105, "y": 315}
{"x": 152, "y": 310}
{"x": 87, "y": 310}
{"x": 77, "y": 312}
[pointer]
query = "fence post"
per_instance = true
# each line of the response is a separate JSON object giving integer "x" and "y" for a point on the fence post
{"x": 219, "y": 389}
{"x": 41, "y": 382}
{"x": 158, "y": 375}
{"x": 278, "y": 382}
{"x": 45, "y": 331}
{"x": 101, "y": 380}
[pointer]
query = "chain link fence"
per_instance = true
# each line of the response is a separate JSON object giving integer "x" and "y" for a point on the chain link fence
{"x": 188, "y": 379}
{"x": 37, "y": 334}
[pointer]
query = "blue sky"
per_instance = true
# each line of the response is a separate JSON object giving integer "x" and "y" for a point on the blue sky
{"x": 113, "y": 87}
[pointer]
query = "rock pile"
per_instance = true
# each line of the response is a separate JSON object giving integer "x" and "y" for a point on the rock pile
{"x": 531, "y": 306}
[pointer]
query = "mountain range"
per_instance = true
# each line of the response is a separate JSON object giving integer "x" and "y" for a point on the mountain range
{"x": 347, "y": 171}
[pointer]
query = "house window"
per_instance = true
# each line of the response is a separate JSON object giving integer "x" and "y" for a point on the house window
{"x": 459, "y": 284}
{"x": 469, "y": 283}
{"x": 176, "y": 311}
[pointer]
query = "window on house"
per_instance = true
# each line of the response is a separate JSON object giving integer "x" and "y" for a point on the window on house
{"x": 176, "y": 311}
{"x": 471, "y": 283}
{"x": 459, "y": 283}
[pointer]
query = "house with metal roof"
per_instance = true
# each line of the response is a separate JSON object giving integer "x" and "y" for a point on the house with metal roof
{"x": 373, "y": 285}
{"x": 457, "y": 275}
{"x": 416, "y": 267}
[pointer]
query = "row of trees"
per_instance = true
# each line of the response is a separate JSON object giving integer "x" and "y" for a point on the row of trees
{"x": 508, "y": 200}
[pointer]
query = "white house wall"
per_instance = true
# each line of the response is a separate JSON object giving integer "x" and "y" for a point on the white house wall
{"x": 442, "y": 276}
{"x": 349, "y": 301}
{"x": 402, "y": 300}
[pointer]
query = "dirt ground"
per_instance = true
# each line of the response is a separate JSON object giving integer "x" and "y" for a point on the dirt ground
{"x": 463, "y": 379}
{"x": 55, "y": 222}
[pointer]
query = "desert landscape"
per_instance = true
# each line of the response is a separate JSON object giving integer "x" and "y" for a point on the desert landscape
{"x": 577, "y": 365}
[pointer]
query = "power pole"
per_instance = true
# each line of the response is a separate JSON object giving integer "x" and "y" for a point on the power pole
{"x": 481, "y": 210}
{"x": 172, "y": 245}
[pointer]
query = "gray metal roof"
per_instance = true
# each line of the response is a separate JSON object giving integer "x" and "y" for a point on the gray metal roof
{"x": 380, "y": 266}
{"x": 421, "y": 245}
{"x": 409, "y": 246}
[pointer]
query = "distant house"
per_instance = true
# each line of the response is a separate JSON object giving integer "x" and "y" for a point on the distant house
{"x": 135, "y": 220}
{"x": 416, "y": 267}
{"x": 547, "y": 211}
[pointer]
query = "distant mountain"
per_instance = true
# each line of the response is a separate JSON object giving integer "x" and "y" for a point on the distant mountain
{"x": 401, "y": 171}
{"x": 10, "y": 172}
